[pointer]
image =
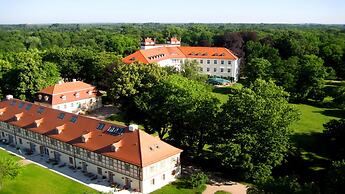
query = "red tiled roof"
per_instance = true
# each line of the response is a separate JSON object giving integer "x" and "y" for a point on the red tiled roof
{"x": 137, "y": 147}
{"x": 70, "y": 90}
{"x": 148, "y": 55}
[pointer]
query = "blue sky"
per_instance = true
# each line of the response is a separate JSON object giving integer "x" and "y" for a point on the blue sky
{"x": 179, "y": 11}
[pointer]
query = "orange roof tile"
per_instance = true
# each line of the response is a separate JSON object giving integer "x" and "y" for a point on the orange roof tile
{"x": 137, "y": 147}
{"x": 69, "y": 92}
{"x": 162, "y": 53}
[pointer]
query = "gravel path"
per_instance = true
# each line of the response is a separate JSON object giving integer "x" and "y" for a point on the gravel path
{"x": 233, "y": 189}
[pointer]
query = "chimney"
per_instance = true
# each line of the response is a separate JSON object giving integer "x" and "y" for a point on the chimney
{"x": 9, "y": 97}
{"x": 60, "y": 82}
{"x": 132, "y": 127}
{"x": 74, "y": 80}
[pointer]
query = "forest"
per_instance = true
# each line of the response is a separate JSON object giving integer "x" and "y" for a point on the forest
{"x": 248, "y": 136}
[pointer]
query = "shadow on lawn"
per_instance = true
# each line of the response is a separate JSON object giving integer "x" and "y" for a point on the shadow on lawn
{"x": 333, "y": 113}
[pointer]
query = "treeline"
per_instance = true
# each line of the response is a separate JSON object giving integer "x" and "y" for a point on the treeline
{"x": 291, "y": 55}
{"x": 248, "y": 136}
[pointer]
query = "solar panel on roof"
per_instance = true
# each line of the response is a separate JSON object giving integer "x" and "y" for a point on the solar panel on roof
{"x": 114, "y": 130}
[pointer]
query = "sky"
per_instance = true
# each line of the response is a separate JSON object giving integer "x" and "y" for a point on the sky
{"x": 172, "y": 11}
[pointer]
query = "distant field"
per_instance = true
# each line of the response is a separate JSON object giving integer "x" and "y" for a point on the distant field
{"x": 34, "y": 179}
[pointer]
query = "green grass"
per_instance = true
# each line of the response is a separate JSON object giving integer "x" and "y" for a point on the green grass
{"x": 313, "y": 118}
{"x": 34, "y": 179}
{"x": 4, "y": 154}
{"x": 222, "y": 192}
{"x": 177, "y": 188}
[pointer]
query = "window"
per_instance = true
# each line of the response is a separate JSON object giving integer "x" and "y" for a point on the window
{"x": 201, "y": 61}
{"x": 215, "y": 69}
{"x": 111, "y": 162}
{"x": 70, "y": 160}
{"x": 72, "y": 104}
{"x": 208, "y": 69}
{"x": 229, "y": 62}
{"x": 88, "y": 154}
{"x": 99, "y": 157}
{"x": 52, "y": 141}
{"x": 215, "y": 62}
{"x": 73, "y": 119}
{"x": 67, "y": 147}
{"x": 99, "y": 170}
{"x": 152, "y": 181}
{"x": 77, "y": 150}
{"x": 20, "y": 141}
{"x": 208, "y": 61}
{"x": 65, "y": 106}
{"x": 221, "y": 69}
{"x": 200, "y": 68}
{"x": 127, "y": 167}
{"x": 163, "y": 176}
{"x": 222, "y": 62}
{"x": 21, "y": 105}
{"x": 229, "y": 70}
{"x": 40, "y": 110}
{"x": 61, "y": 115}
{"x": 100, "y": 126}
{"x": 28, "y": 107}
{"x": 3, "y": 134}
{"x": 58, "y": 107}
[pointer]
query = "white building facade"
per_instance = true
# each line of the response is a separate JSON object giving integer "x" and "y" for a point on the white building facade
{"x": 213, "y": 61}
{"x": 153, "y": 171}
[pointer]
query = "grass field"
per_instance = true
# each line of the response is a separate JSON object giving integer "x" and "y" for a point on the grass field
{"x": 34, "y": 179}
{"x": 313, "y": 118}
{"x": 176, "y": 188}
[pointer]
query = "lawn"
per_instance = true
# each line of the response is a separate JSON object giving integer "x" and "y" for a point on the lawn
{"x": 176, "y": 188}
{"x": 313, "y": 118}
{"x": 34, "y": 179}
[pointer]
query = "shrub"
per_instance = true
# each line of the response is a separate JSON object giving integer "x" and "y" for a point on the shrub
{"x": 197, "y": 179}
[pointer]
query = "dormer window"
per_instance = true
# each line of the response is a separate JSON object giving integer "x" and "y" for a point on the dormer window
{"x": 18, "y": 116}
{"x": 40, "y": 97}
{"x": 46, "y": 98}
{"x": 63, "y": 97}
{"x": 86, "y": 137}
{"x": 38, "y": 122}
{"x": 77, "y": 94}
{"x": 89, "y": 92}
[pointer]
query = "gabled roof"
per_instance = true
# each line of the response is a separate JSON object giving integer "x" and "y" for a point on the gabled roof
{"x": 69, "y": 91}
{"x": 137, "y": 147}
{"x": 162, "y": 53}
{"x": 66, "y": 87}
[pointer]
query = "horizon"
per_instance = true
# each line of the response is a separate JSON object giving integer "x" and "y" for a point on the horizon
{"x": 154, "y": 11}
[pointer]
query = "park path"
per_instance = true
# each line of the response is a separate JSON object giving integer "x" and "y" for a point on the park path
{"x": 233, "y": 189}
{"x": 25, "y": 162}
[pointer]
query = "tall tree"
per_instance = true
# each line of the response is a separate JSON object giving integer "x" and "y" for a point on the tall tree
{"x": 253, "y": 134}
{"x": 31, "y": 74}
{"x": 125, "y": 81}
